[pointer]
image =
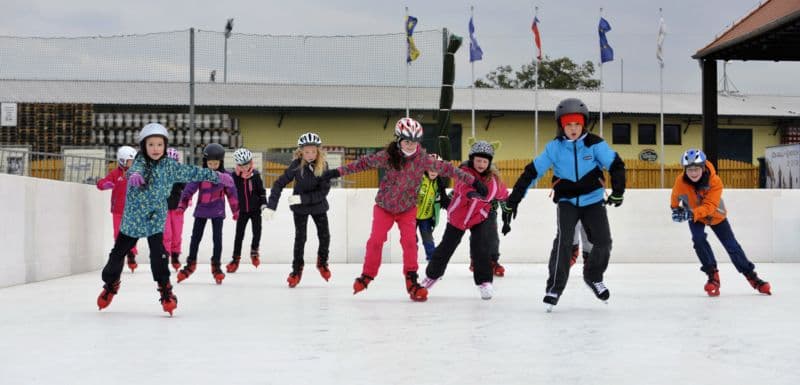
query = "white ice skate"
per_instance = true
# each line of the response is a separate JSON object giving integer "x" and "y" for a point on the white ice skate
{"x": 486, "y": 289}
{"x": 429, "y": 282}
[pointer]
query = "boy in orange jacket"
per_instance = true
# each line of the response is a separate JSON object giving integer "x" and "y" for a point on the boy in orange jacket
{"x": 697, "y": 198}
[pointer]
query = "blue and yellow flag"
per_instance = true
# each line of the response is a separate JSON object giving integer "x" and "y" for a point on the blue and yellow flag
{"x": 412, "y": 53}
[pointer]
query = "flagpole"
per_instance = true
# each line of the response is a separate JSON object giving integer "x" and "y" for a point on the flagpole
{"x": 601, "y": 84}
{"x": 661, "y": 93}
{"x": 536, "y": 93}
{"x": 408, "y": 65}
{"x": 472, "y": 85}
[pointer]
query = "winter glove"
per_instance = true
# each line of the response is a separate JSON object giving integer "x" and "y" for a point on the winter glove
{"x": 479, "y": 187}
{"x": 681, "y": 214}
{"x": 235, "y": 215}
{"x": 106, "y": 185}
{"x": 508, "y": 212}
{"x": 330, "y": 174}
{"x": 225, "y": 179}
{"x": 267, "y": 214}
{"x": 136, "y": 180}
{"x": 614, "y": 199}
{"x": 295, "y": 200}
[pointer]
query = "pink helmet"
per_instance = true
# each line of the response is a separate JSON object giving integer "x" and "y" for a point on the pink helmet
{"x": 408, "y": 129}
{"x": 172, "y": 153}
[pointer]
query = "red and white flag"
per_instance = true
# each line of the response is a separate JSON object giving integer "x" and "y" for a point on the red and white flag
{"x": 536, "y": 37}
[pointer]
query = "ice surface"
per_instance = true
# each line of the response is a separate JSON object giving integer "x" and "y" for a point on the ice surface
{"x": 658, "y": 328}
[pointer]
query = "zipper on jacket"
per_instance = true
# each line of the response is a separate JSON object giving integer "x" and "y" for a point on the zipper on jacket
{"x": 246, "y": 196}
{"x": 575, "y": 155}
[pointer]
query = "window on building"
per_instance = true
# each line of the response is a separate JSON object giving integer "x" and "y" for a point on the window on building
{"x": 647, "y": 134}
{"x": 621, "y": 133}
{"x": 672, "y": 134}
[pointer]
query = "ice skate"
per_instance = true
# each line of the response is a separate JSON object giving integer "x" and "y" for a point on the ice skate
{"x": 550, "y": 300}
{"x": 169, "y": 302}
{"x": 216, "y": 271}
{"x": 132, "y": 261}
{"x": 712, "y": 285}
{"x": 187, "y": 271}
{"x": 486, "y": 289}
{"x": 429, "y": 282}
{"x": 599, "y": 289}
{"x": 762, "y": 286}
{"x": 361, "y": 283}
{"x": 233, "y": 265}
{"x": 108, "y": 293}
{"x": 324, "y": 271}
{"x": 498, "y": 270}
{"x": 255, "y": 258}
{"x": 175, "y": 261}
{"x": 415, "y": 291}
{"x": 294, "y": 277}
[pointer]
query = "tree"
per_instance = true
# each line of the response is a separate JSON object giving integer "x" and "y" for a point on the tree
{"x": 561, "y": 73}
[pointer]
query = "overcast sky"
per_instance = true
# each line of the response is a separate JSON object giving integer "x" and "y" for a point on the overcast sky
{"x": 569, "y": 28}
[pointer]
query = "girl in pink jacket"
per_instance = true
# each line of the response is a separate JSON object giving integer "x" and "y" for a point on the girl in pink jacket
{"x": 469, "y": 210}
{"x": 405, "y": 162}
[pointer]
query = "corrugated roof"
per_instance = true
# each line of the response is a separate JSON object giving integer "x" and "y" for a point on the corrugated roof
{"x": 359, "y": 97}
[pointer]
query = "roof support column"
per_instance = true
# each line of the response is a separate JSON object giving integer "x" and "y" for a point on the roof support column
{"x": 710, "y": 113}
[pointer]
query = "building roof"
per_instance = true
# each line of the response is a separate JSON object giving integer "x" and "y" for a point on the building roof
{"x": 769, "y": 32}
{"x": 384, "y": 98}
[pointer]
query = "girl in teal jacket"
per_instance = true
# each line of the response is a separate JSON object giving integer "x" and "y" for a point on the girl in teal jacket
{"x": 150, "y": 181}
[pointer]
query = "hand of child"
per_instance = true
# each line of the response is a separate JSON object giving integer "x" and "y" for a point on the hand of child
{"x": 107, "y": 185}
{"x": 330, "y": 174}
{"x": 295, "y": 200}
{"x": 614, "y": 199}
{"x": 681, "y": 214}
{"x": 235, "y": 215}
{"x": 509, "y": 211}
{"x": 480, "y": 188}
{"x": 136, "y": 180}
{"x": 225, "y": 179}
{"x": 268, "y": 214}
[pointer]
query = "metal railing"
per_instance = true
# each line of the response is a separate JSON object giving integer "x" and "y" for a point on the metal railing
{"x": 63, "y": 167}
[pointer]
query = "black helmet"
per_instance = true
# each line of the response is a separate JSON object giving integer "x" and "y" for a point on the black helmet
{"x": 214, "y": 151}
{"x": 571, "y": 106}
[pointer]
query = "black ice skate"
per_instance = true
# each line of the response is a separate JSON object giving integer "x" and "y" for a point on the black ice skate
{"x": 599, "y": 289}
{"x": 550, "y": 300}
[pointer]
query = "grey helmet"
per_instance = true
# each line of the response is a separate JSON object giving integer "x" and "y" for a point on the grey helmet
{"x": 483, "y": 149}
{"x": 571, "y": 106}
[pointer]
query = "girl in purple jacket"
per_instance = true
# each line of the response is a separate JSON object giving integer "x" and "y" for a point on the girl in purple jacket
{"x": 210, "y": 205}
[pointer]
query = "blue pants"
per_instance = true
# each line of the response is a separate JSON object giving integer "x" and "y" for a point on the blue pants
{"x": 426, "y": 233}
{"x": 728, "y": 240}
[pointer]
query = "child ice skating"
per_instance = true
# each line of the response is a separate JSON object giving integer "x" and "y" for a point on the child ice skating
{"x": 431, "y": 197}
{"x": 210, "y": 206}
{"x": 252, "y": 200}
{"x": 577, "y": 157}
{"x": 697, "y": 198}
{"x": 118, "y": 183}
{"x": 405, "y": 162}
{"x": 469, "y": 210}
{"x": 309, "y": 198}
{"x": 150, "y": 180}
{"x": 173, "y": 228}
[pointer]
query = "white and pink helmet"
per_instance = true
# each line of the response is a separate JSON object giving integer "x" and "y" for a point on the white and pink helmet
{"x": 408, "y": 129}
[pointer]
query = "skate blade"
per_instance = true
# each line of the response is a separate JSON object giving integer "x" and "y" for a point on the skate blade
{"x": 549, "y": 308}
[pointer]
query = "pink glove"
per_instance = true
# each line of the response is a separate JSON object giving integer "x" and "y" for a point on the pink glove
{"x": 225, "y": 179}
{"x": 107, "y": 185}
{"x": 136, "y": 180}
{"x": 235, "y": 216}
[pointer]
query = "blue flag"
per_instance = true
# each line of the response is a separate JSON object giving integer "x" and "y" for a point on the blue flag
{"x": 606, "y": 52}
{"x": 475, "y": 51}
{"x": 412, "y": 53}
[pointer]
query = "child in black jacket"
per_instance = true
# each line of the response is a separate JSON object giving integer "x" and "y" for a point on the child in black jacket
{"x": 252, "y": 200}
{"x": 308, "y": 198}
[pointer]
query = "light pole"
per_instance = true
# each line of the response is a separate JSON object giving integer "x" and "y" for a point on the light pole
{"x": 228, "y": 29}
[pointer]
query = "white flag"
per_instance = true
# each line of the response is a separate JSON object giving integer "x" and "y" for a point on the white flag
{"x": 662, "y": 31}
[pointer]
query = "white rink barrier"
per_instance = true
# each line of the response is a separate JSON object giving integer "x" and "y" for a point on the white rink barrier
{"x": 53, "y": 229}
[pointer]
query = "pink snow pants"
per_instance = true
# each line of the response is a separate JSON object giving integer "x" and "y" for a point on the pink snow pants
{"x": 173, "y": 229}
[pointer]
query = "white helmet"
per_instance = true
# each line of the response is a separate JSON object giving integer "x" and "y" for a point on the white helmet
{"x": 408, "y": 129}
{"x": 309, "y": 139}
{"x": 124, "y": 153}
{"x": 242, "y": 156}
{"x": 153, "y": 129}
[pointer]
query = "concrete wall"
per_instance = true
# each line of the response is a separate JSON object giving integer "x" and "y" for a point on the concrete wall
{"x": 54, "y": 229}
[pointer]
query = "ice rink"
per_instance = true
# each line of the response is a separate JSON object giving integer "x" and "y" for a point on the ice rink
{"x": 659, "y": 327}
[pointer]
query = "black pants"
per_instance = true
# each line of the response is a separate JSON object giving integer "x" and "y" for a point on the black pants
{"x": 492, "y": 237}
{"x": 241, "y": 224}
{"x": 595, "y": 222}
{"x": 323, "y": 233}
{"x": 197, "y": 235}
{"x": 478, "y": 247}
{"x": 123, "y": 244}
